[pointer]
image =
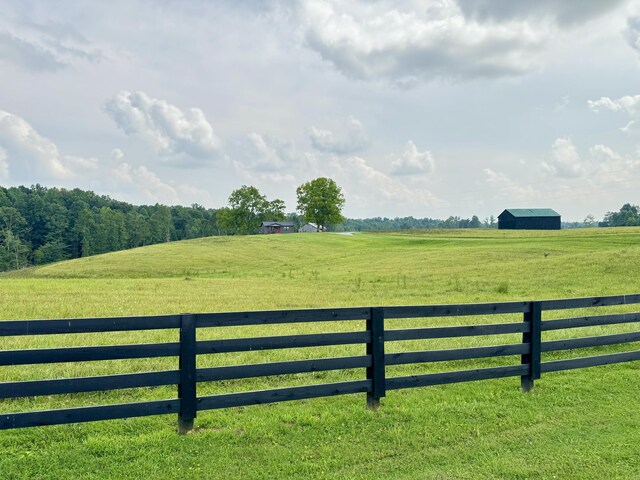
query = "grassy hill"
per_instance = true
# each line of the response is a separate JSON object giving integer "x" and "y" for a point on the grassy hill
{"x": 580, "y": 424}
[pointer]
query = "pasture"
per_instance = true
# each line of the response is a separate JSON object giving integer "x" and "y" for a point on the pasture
{"x": 577, "y": 424}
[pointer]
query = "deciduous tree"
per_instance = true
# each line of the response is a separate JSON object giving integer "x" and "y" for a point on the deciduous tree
{"x": 321, "y": 201}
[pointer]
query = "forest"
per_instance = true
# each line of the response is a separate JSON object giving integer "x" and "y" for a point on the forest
{"x": 41, "y": 225}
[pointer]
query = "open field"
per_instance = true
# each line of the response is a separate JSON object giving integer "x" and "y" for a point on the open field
{"x": 580, "y": 424}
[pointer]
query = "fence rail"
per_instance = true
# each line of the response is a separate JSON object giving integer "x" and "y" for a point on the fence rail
{"x": 374, "y": 337}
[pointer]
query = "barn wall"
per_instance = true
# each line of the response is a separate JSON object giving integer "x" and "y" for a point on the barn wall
{"x": 538, "y": 223}
{"x": 506, "y": 223}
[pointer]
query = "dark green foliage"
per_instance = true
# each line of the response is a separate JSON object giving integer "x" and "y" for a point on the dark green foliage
{"x": 248, "y": 208}
{"x": 321, "y": 201}
{"x": 41, "y": 225}
{"x": 628, "y": 216}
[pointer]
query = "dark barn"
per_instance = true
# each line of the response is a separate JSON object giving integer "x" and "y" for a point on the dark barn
{"x": 277, "y": 227}
{"x": 529, "y": 219}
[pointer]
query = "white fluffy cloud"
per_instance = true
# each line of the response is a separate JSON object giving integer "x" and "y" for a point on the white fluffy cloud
{"x": 405, "y": 41}
{"x": 366, "y": 185}
{"x": 26, "y": 155}
{"x": 600, "y": 163}
{"x": 413, "y": 162}
{"x": 267, "y": 153}
{"x": 117, "y": 154}
{"x": 629, "y": 104}
{"x": 564, "y": 160}
{"x": 352, "y": 138}
{"x": 170, "y": 130}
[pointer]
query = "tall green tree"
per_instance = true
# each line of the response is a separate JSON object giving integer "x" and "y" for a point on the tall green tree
{"x": 248, "y": 206}
{"x": 247, "y": 209}
{"x": 321, "y": 201}
{"x": 628, "y": 216}
{"x": 161, "y": 224}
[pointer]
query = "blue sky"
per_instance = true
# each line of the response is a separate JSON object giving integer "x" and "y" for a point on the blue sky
{"x": 424, "y": 108}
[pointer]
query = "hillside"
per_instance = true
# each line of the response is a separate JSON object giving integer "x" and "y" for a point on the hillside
{"x": 309, "y": 270}
{"x": 474, "y": 430}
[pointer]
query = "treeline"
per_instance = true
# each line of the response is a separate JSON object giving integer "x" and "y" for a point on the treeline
{"x": 627, "y": 216}
{"x": 42, "y": 225}
{"x": 410, "y": 223}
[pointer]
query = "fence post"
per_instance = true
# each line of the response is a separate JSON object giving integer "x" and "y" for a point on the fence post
{"x": 375, "y": 348}
{"x": 534, "y": 338}
{"x": 187, "y": 365}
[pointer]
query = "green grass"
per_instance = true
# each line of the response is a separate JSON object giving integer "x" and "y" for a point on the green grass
{"x": 578, "y": 424}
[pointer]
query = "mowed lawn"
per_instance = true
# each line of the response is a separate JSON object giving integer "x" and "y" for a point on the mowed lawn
{"x": 576, "y": 424}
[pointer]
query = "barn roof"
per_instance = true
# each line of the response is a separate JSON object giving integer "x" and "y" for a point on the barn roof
{"x": 532, "y": 212}
{"x": 277, "y": 224}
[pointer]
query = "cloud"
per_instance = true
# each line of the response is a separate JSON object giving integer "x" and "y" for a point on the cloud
{"x": 27, "y": 153}
{"x": 562, "y": 103}
{"x": 27, "y": 55}
{"x": 140, "y": 184}
{"x": 266, "y": 153}
{"x": 168, "y": 129}
{"x": 565, "y": 12}
{"x": 602, "y": 163}
{"x": 632, "y": 33}
{"x": 28, "y": 157}
{"x": 43, "y": 47}
{"x": 353, "y": 138}
{"x": 368, "y": 186}
{"x": 4, "y": 165}
{"x": 413, "y": 162}
{"x": 117, "y": 154}
{"x": 503, "y": 186}
{"x": 629, "y": 104}
{"x": 146, "y": 182}
{"x": 564, "y": 160}
{"x": 602, "y": 153}
{"x": 631, "y": 127}
{"x": 408, "y": 41}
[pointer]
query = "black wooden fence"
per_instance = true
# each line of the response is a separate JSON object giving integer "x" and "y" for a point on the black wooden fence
{"x": 376, "y": 384}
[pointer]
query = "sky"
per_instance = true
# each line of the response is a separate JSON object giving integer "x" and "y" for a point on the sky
{"x": 430, "y": 108}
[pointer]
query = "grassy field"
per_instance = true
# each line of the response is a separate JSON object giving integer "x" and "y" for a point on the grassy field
{"x": 579, "y": 424}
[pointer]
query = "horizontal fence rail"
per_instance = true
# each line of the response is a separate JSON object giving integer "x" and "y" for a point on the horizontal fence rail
{"x": 370, "y": 333}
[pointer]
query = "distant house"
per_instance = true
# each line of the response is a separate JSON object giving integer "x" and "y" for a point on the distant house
{"x": 277, "y": 227}
{"x": 529, "y": 219}
{"x": 310, "y": 227}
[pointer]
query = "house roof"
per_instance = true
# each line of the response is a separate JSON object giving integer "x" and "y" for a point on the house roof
{"x": 277, "y": 224}
{"x": 532, "y": 212}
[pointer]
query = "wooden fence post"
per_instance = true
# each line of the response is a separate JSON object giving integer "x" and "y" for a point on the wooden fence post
{"x": 534, "y": 338}
{"x": 187, "y": 365}
{"x": 375, "y": 348}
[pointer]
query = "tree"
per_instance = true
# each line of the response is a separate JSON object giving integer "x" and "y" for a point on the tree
{"x": 247, "y": 205}
{"x": 321, "y": 201}
{"x": 50, "y": 252}
{"x": 14, "y": 251}
{"x": 628, "y": 216}
{"x": 247, "y": 209}
{"x": 589, "y": 221}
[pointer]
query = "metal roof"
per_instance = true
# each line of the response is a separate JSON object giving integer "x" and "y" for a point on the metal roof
{"x": 532, "y": 212}
{"x": 277, "y": 224}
